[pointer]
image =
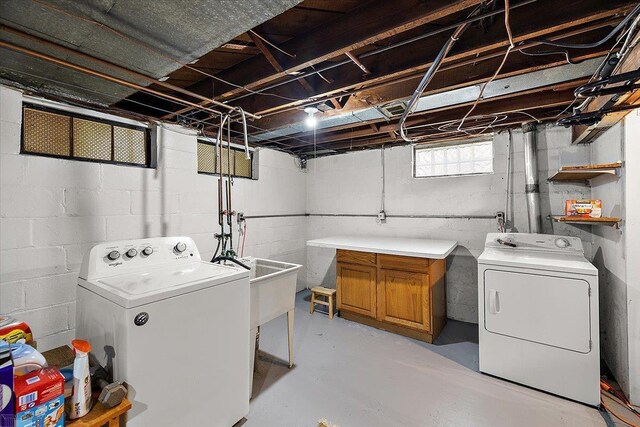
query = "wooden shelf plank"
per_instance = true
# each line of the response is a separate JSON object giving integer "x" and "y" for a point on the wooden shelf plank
{"x": 100, "y": 415}
{"x": 585, "y": 172}
{"x": 579, "y": 220}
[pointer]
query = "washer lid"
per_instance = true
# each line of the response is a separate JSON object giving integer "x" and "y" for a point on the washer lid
{"x": 145, "y": 286}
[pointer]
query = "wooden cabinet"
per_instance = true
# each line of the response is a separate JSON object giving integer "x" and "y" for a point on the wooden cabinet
{"x": 356, "y": 285}
{"x": 400, "y": 294}
{"x": 403, "y": 299}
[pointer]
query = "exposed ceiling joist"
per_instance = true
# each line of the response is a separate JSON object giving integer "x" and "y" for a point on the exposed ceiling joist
{"x": 539, "y": 98}
{"x": 586, "y": 134}
{"x": 372, "y": 22}
{"x": 466, "y": 90}
{"x": 529, "y": 23}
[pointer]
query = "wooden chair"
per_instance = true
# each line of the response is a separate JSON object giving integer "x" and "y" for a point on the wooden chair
{"x": 320, "y": 291}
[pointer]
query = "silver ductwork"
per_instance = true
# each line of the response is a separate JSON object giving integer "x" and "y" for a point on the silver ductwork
{"x": 531, "y": 190}
{"x": 433, "y": 101}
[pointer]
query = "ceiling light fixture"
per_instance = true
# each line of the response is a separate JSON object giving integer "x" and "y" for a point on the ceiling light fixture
{"x": 311, "y": 120}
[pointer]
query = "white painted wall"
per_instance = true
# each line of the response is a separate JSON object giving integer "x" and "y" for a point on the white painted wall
{"x": 351, "y": 184}
{"x": 52, "y": 211}
{"x": 610, "y": 256}
{"x": 632, "y": 231}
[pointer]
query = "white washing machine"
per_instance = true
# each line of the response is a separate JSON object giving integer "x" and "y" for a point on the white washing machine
{"x": 174, "y": 328}
{"x": 538, "y": 314}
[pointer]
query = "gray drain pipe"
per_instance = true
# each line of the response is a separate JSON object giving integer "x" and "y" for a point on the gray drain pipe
{"x": 531, "y": 178}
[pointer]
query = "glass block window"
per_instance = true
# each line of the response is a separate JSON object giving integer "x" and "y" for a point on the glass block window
{"x": 208, "y": 160}
{"x": 452, "y": 160}
{"x": 66, "y": 135}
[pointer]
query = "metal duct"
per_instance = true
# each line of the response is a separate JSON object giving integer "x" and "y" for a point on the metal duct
{"x": 501, "y": 87}
{"x": 531, "y": 177}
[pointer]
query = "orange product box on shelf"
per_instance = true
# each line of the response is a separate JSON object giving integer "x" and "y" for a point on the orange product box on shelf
{"x": 11, "y": 330}
{"x": 589, "y": 208}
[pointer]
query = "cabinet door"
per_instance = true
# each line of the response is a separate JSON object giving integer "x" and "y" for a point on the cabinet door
{"x": 403, "y": 299}
{"x": 357, "y": 288}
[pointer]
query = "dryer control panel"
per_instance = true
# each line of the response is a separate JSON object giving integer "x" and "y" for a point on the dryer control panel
{"x": 124, "y": 256}
{"x": 534, "y": 242}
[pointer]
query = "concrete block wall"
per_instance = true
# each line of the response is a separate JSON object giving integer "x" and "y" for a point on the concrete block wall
{"x": 616, "y": 253}
{"x": 53, "y": 211}
{"x": 351, "y": 184}
{"x": 609, "y": 256}
{"x": 632, "y": 249}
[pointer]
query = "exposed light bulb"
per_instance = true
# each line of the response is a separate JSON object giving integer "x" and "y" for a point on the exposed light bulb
{"x": 311, "y": 121}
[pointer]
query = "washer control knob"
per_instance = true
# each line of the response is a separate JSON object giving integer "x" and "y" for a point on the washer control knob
{"x": 113, "y": 255}
{"x": 131, "y": 253}
{"x": 180, "y": 247}
{"x": 562, "y": 243}
{"x": 147, "y": 251}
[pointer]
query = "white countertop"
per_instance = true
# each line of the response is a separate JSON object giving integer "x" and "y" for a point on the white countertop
{"x": 421, "y": 248}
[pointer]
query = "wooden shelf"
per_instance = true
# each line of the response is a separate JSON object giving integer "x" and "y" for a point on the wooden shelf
{"x": 585, "y": 172}
{"x": 590, "y": 221}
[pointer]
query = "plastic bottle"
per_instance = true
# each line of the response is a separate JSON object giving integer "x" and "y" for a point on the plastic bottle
{"x": 81, "y": 394}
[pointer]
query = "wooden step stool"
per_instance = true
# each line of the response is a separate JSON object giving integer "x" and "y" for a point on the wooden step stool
{"x": 323, "y": 292}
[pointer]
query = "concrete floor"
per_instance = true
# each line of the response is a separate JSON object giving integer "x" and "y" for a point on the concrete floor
{"x": 354, "y": 376}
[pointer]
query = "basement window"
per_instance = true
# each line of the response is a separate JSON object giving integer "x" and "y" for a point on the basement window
{"x": 471, "y": 158}
{"x": 208, "y": 163}
{"x": 61, "y": 134}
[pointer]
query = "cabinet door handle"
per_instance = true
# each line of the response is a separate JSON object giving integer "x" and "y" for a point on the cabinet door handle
{"x": 494, "y": 301}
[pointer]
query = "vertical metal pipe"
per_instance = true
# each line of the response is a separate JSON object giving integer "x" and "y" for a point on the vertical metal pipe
{"x": 531, "y": 177}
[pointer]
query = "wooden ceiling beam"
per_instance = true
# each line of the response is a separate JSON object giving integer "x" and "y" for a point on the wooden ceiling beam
{"x": 446, "y": 80}
{"x": 375, "y": 142}
{"x": 529, "y": 23}
{"x": 264, "y": 49}
{"x": 586, "y": 134}
{"x": 547, "y": 97}
{"x": 373, "y": 21}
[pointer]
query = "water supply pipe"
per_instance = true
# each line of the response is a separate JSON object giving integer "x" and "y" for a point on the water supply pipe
{"x": 532, "y": 190}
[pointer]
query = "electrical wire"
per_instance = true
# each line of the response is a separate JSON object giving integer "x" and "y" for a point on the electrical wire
{"x": 428, "y": 76}
{"x": 627, "y": 33}
{"x": 290, "y": 55}
{"x": 383, "y": 195}
{"x": 609, "y": 391}
{"x": 608, "y": 388}
{"x": 613, "y": 32}
{"x": 244, "y": 236}
{"x": 508, "y": 184}
{"x": 609, "y": 410}
{"x": 564, "y": 53}
{"x": 507, "y": 26}
{"x": 439, "y": 30}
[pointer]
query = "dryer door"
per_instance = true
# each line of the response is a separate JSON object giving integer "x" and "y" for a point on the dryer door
{"x": 548, "y": 310}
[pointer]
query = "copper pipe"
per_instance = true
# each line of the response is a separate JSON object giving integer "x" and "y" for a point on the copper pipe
{"x": 112, "y": 65}
{"x": 111, "y": 78}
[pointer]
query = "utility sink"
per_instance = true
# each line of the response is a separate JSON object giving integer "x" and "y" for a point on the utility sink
{"x": 273, "y": 294}
{"x": 273, "y": 288}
